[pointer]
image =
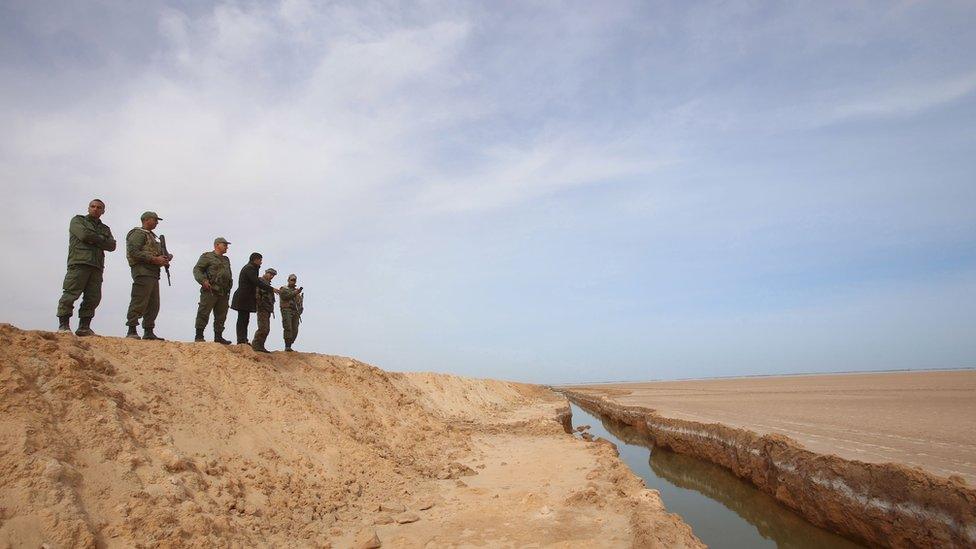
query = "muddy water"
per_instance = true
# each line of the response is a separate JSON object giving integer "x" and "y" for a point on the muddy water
{"x": 723, "y": 510}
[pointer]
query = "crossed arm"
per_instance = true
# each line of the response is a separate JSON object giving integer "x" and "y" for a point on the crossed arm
{"x": 91, "y": 237}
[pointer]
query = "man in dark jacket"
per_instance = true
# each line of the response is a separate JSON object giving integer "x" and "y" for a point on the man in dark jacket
{"x": 245, "y": 296}
{"x": 88, "y": 240}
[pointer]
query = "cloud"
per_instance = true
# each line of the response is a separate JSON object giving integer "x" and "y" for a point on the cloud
{"x": 334, "y": 103}
{"x": 907, "y": 100}
{"x": 206, "y": 116}
{"x": 510, "y": 176}
{"x": 573, "y": 160}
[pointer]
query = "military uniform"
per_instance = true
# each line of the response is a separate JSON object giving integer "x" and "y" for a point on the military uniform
{"x": 216, "y": 269}
{"x": 265, "y": 307}
{"x": 292, "y": 308}
{"x": 88, "y": 240}
{"x": 141, "y": 247}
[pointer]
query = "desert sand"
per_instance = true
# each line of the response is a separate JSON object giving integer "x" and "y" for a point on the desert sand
{"x": 919, "y": 419}
{"x": 108, "y": 442}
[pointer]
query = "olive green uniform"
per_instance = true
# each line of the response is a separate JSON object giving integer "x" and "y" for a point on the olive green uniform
{"x": 88, "y": 240}
{"x": 265, "y": 305}
{"x": 216, "y": 269}
{"x": 292, "y": 308}
{"x": 141, "y": 246}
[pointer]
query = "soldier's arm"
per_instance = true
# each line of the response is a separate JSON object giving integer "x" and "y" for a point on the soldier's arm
{"x": 262, "y": 283}
{"x": 108, "y": 242}
{"x": 81, "y": 231}
{"x": 134, "y": 247}
{"x": 287, "y": 293}
{"x": 199, "y": 273}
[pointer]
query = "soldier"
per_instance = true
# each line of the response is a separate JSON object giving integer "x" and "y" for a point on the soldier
{"x": 265, "y": 306}
{"x": 88, "y": 240}
{"x": 244, "y": 298}
{"x": 213, "y": 273}
{"x": 292, "y": 307}
{"x": 145, "y": 257}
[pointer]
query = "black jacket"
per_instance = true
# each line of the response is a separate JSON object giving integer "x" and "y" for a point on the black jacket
{"x": 245, "y": 296}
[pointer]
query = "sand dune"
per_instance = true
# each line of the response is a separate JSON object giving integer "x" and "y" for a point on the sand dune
{"x": 120, "y": 443}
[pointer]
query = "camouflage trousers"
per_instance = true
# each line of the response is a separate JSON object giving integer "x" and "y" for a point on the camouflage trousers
{"x": 264, "y": 328}
{"x": 81, "y": 280}
{"x": 144, "y": 302}
{"x": 218, "y": 304}
{"x": 289, "y": 321}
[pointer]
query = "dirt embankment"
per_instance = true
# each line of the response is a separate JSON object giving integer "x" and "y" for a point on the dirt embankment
{"x": 108, "y": 442}
{"x": 886, "y": 505}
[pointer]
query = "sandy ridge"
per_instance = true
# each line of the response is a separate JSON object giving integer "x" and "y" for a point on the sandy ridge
{"x": 108, "y": 442}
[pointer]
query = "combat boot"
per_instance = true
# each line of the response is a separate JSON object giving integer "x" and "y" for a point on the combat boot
{"x": 133, "y": 334}
{"x": 260, "y": 349}
{"x": 147, "y": 334}
{"x": 219, "y": 338}
{"x": 84, "y": 327}
{"x": 63, "y": 324}
{"x": 199, "y": 337}
{"x": 288, "y": 347}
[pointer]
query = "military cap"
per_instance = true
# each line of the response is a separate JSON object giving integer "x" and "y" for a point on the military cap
{"x": 270, "y": 270}
{"x": 291, "y": 276}
{"x": 149, "y": 215}
{"x": 220, "y": 240}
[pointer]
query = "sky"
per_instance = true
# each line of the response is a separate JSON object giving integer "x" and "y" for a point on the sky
{"x": 540, "y": 191}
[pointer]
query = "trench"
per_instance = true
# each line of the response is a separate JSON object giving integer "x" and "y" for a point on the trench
{"x": 723, "y": 510}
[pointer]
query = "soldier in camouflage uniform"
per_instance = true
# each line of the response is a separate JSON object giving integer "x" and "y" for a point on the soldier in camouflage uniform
{"x": 145, "y": 257}
{"x": 88, "y": 240}
{"x": 213, "y": 273}
{"x": 292, "y": 307}
{"x": 265, "y": 306}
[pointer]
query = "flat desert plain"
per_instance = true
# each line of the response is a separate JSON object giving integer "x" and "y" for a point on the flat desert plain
{"x": 921, "y": 419}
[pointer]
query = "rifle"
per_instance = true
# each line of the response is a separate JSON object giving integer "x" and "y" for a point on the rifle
{"x": 162, "y": 247}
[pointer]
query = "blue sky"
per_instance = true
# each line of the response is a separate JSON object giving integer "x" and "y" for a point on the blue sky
{"x": 539, "y": 191}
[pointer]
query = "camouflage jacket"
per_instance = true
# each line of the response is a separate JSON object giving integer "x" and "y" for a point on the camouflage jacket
{"x": 216, "y": 269}
{"x": 141, "y": 246}
{"x": 291, "y": 300}
{"x": 88, "y": 240}
{"x": 266, "y": 300}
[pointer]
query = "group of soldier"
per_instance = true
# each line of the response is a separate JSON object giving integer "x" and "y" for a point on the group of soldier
{"x": 89, "y": 239}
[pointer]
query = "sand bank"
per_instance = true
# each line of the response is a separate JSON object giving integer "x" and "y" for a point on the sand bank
{"x": 108, "y": 442}
{"x": 834, "y": 448}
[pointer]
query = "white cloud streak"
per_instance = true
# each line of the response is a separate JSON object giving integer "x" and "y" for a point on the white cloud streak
{"x": 332, "y": 136}
{"x": 907, "y": 100}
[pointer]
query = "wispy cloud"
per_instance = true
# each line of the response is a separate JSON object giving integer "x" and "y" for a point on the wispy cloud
{"x": 508, "y": 176}
{"x": 907, "y": 99}
{"x": 421, "y": 160}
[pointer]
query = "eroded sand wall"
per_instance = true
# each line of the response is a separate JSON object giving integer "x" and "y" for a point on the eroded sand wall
{"x": 885, "y": 505}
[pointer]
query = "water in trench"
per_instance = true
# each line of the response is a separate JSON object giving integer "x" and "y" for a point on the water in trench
{"x": 722, "y": 509}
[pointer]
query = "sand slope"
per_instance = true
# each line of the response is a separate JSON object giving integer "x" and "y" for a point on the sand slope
{"x": 121, "y": 443}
